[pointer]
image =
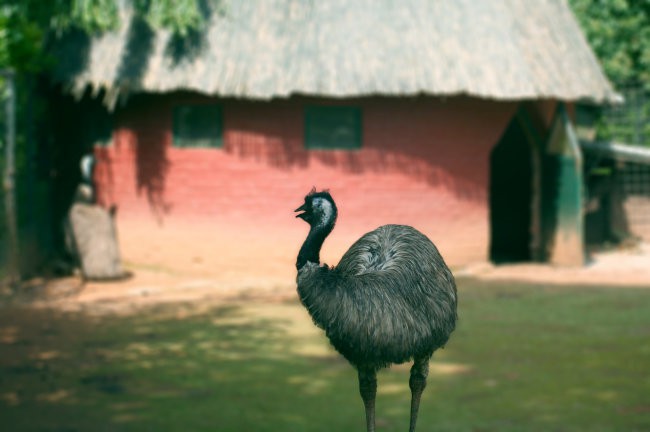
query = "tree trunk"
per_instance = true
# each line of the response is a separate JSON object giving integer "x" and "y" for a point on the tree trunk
{"x": 9, "y": 178}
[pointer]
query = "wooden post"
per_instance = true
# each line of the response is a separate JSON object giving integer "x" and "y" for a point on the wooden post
{"x": 567, "y": 245}
{"x": 9, "y": 178}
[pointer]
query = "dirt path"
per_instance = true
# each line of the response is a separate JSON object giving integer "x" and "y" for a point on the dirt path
{"x": 623, "y": 267}
{"x": 160, "y": 284}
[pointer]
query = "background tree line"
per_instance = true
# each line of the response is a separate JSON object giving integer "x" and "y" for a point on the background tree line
{"x": 619, "y": 33}
{"x": 27, "y": 28}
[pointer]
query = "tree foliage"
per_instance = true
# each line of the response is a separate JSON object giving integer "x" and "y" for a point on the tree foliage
{"x": 26, "y": 24}
{"x": 619, "y": 33}
{"x": 179, "y": 16}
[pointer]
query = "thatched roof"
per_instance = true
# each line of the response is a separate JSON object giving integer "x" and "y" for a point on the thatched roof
{"x": 261, "y": 49}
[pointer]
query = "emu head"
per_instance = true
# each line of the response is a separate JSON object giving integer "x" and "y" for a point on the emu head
{"x": 319, "y": 209}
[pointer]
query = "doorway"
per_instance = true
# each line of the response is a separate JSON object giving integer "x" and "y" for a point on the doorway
{"x": 511, "y": 185}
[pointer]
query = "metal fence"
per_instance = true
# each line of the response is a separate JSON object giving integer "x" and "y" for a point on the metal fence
{"x": 635, "y": 179}
{"x": 618, "y": 186}
{"x": 628, "y": 122}
{"x": 24, "y": 203}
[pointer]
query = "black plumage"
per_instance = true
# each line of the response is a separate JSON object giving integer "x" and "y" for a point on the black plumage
{"x": 391, "y": 298}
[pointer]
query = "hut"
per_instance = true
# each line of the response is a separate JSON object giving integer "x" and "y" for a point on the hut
{"x": 453, "y": 116}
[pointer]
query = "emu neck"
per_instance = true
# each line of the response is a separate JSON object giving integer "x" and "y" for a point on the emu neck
{"x": 310, "y": 250}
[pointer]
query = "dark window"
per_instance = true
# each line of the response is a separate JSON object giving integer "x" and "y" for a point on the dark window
{"x": 333, "y": 127}
{"x": 198, "y": 126}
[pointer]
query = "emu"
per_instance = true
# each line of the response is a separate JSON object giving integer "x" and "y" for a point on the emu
{"x": 391, "y": 299}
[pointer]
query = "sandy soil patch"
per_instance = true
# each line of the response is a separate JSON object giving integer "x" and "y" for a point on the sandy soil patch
{"x": 620, "y": 267}
{"x": 274, "y": 281}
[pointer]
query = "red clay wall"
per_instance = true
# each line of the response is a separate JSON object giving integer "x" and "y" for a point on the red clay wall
{"x": 423, "y": 162}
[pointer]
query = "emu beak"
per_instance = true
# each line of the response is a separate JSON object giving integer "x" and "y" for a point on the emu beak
{"x": 301, "y": 209}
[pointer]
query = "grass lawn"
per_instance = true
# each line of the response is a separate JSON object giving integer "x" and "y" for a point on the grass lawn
{"x": 523, "y": 358}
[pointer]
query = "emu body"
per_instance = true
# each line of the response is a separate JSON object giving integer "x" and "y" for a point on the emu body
{"x": 391, "y": 298}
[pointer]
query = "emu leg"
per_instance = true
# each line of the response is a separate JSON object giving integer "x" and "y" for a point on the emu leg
{"x": 368, "y": 390}
{"x": 417, "y": 383}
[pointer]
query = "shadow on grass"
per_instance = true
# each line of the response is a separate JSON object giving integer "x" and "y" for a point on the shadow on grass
{"x": 523, "y": 358}
{"x": 167, "y": 369}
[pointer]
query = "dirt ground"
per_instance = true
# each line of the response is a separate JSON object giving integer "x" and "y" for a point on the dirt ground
{"x": 628, "y": 266}
{"x": 228, "y": 279}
